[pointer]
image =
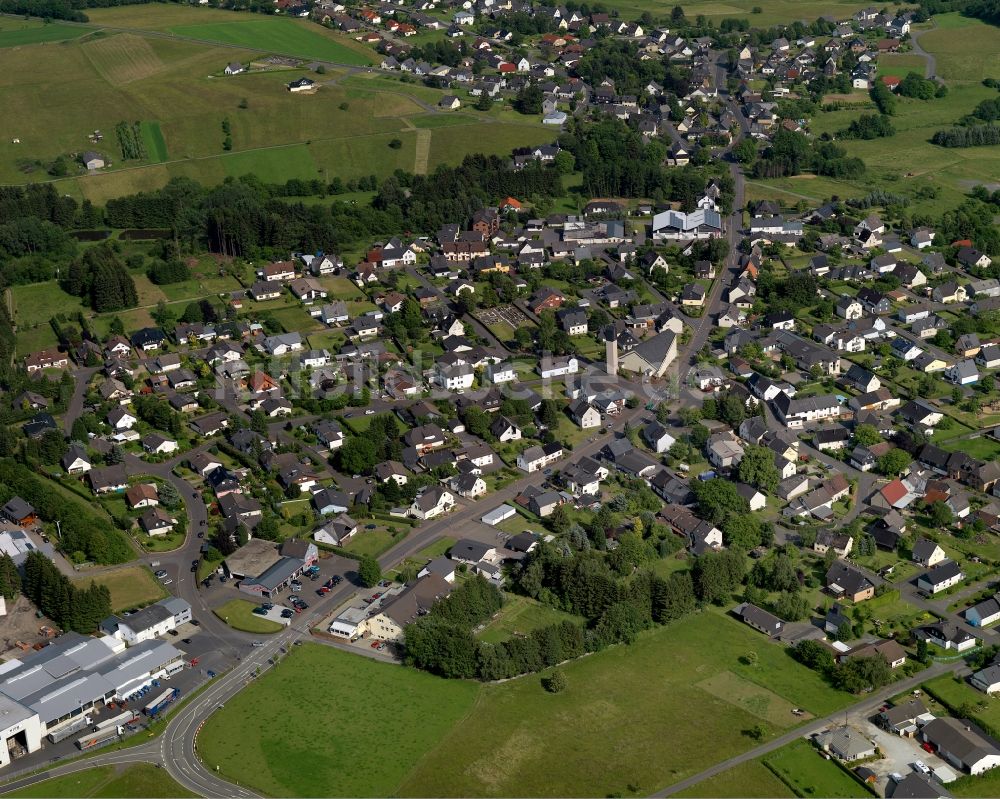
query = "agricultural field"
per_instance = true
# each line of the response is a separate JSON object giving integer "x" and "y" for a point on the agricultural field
{"x": 130, "y": 586}
{"x": 771, "y": 13}
{"x": 173, "y": 88}
{"x": 283, "y": 36}
{"x": 17, "y": 32}
{"x": 137, "y": 781}
{"x": 514, "y": 741}
{"x": 263, "y": 735}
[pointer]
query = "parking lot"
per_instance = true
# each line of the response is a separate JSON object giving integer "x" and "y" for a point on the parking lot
{"x": 898, "y": 753}
{"x": 219, "y": 591}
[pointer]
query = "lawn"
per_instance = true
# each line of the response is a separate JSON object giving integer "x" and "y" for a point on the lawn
{"x": 630, "y": 713}
{"x": 237, "y": 614}
{"x": 130, "y": 586}
{"x": 901, "y": 64}
{"x": 374, "y": 542}
{"x": 959, "y": 693}
{"x": 291, "y": 734}
{"x": 284, "y": 36}
{"x": 800, "y": 766}
{"x": 136, "y": 781}
{"x": 987, "y": 784}
{"x": 14, "y": 33}
{"x": 519, "y": 616}
{"x": 750, "y": 779}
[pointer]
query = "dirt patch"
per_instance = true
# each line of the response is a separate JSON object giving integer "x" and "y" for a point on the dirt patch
{"x": 20, "y": 624}
{"x": 752, "y": 698}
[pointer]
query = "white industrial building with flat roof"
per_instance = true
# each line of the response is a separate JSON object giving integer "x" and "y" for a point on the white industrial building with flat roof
{"x": 150, "y": 622}
{"x": 54, "y": 686}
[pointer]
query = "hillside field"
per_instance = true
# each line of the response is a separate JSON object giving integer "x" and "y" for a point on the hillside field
{"x": 966, "y": 51}
{"x": 174, "y": 87}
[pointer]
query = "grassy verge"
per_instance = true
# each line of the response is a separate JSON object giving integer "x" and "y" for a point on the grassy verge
{"x": 138, "y": 781}
{"x": 237, "y": 613}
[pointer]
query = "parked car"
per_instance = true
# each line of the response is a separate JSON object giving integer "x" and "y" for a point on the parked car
{"x": 287, "y": 613}
{"x": 257, "y": 643}
{"x": 161, "y": 574}
{"x": 921, "y": 766}
{"x": 259, "y": 612}
{"x": 196, "y": 623}
{"x": 173, "y": 633}
{"x": 337, "y": 579}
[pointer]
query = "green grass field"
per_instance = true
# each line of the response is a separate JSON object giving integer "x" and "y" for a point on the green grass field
{"x": 152, "y": 138}
{"x": 750, "y": 780}
{"x": 344, "y": 129}
{"x": 519, "y": 616}
{"x": 329, "y": 723}
{"x": 800, "y": 766}
{"x": 237, "y": 613}
{"x": 130, "y": 586}
{"x": 139, "y": 781}
{"x": 14, "y": 33}
{"x": 965, "y": 48}
{"x": 284, "y": 36}
{"x": 638, "y": 720}
{"x": 901, "y": 64}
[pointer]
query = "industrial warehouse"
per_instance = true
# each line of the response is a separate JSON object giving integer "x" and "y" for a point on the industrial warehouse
{"x": 53, "y": 688}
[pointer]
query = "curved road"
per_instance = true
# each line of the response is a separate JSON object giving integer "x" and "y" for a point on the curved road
{"x": 930, "y": 62}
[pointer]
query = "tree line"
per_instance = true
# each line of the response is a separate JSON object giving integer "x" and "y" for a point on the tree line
{"x": 616, "y": 162}
{"x": 971, "y": 136}
{"x": 102, "y": 278}
{"x": 55, "y": 595}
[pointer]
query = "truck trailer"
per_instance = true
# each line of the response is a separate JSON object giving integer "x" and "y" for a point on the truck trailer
{"x": 162, "y": 701}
